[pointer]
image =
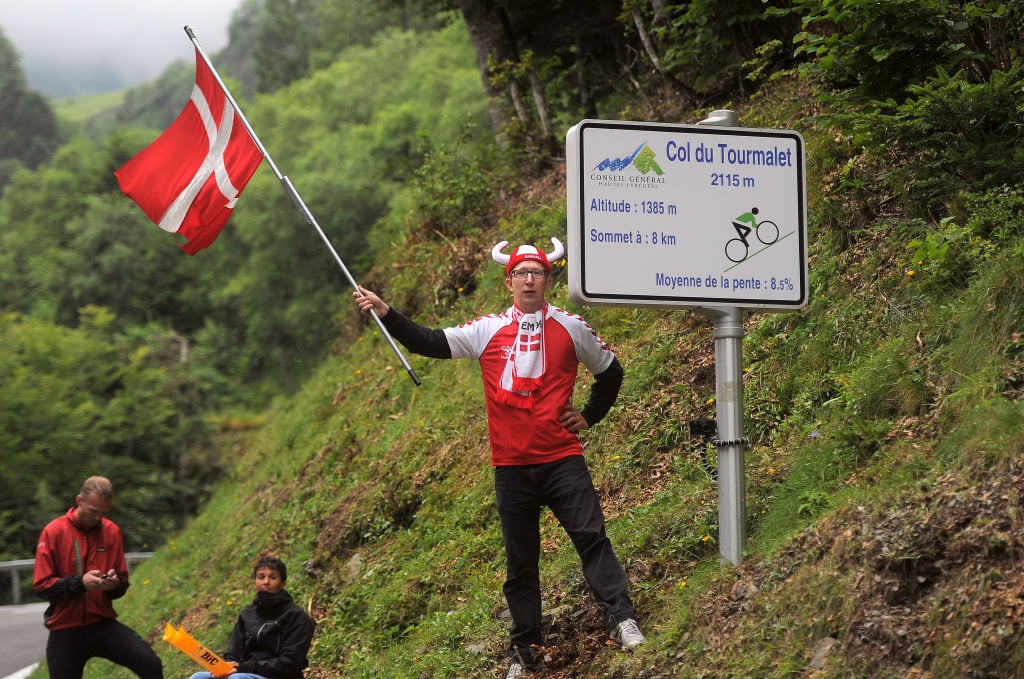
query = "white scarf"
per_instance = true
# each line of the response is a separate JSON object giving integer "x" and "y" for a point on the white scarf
{"x": 526, "y": 362}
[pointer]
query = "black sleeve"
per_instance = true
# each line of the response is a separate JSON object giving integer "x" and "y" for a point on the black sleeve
{"x": 64, "y": 588}
{"x": 417, "y": 338}
{"x": 71, "y": 585}
{"x": 119, "y": 591}
{"x": 236, "y": 644}
{"x": 603, "y": 393}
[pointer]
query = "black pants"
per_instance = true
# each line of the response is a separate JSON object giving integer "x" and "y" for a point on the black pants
{"x": 67, "y": 650}
{"x": 565, "y": 486}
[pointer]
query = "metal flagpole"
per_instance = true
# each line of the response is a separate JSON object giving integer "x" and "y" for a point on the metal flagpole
{"x": 300, "y": 205}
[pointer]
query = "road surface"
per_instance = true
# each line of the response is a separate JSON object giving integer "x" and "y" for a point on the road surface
{"x": 22, "y": 637}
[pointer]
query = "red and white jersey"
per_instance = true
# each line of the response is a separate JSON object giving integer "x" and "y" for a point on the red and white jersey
{"x": 519, "y": 436}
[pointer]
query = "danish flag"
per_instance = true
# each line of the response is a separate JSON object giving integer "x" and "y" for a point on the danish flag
{"x": 189, "y": 179}
{"x": 529, "y": 342}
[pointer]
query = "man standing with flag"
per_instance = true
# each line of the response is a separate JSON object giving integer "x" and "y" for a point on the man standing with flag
{"x": 529, "y": 355}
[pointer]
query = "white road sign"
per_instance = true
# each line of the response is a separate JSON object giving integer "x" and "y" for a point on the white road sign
{"x": 682, "y": 215}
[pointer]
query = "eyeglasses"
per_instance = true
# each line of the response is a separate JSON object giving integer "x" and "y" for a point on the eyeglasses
{"x": 537, "y": 275}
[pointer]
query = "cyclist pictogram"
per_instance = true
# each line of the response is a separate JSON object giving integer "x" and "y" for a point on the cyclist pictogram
{"x": 737, "y": 249}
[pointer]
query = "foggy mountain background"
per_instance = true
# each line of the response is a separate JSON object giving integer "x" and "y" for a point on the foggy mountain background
{"x": 70, "y": 48}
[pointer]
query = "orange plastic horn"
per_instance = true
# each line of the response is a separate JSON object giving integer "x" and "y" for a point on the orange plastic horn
{"x": 187, "y": 644}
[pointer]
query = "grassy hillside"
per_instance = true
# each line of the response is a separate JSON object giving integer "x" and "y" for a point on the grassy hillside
{"x": 884, "y": 486}
{"x": 81, "y": 109}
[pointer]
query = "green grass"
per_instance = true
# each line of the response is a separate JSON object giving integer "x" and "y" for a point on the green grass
{"x": 81, "y": 109}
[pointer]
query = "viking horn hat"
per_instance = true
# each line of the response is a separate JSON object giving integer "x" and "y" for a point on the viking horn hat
{"x": 527, "y": 253}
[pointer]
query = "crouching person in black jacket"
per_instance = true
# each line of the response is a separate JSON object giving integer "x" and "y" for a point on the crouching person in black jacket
{"x": 272, "y": 634}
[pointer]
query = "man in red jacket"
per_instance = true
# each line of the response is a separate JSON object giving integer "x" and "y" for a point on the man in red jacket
{"x": 80, "y": 569}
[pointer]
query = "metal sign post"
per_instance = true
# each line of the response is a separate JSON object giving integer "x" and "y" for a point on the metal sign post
{"x": 709, "y": 216}
{"x": 731, "y": 444}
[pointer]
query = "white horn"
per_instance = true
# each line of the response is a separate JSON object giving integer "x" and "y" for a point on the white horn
{"x": 499, "y": 257}
{"x": 557, "y": 253}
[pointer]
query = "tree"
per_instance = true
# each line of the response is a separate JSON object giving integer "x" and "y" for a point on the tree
{"x": 516, "y": 43}
{"x": 283, "y": 41}
{"x": 493, "y": 42}
{"x": 35, "y": 213}
{"x": 876, "y": 50}
{"x": 29, "y": 133}
{"x": 91, "y": 400}
{"x": 549, "y": 61}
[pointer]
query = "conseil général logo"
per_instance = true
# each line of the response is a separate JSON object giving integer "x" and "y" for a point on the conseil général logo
{"x": 642, "y": 159}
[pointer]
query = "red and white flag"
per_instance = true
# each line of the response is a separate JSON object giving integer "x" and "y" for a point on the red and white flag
{"x": 188, "y": 180}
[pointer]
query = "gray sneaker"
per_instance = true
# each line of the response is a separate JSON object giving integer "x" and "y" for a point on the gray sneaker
{"x": 628, "y": 634}
{"x": 515, "y": 670}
